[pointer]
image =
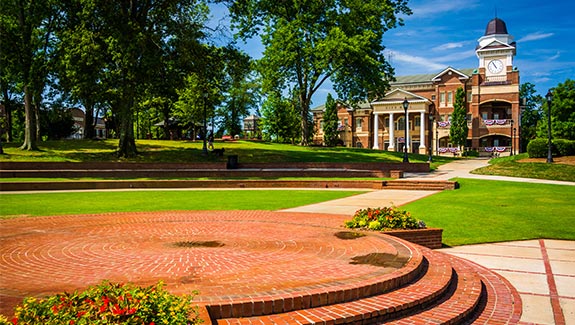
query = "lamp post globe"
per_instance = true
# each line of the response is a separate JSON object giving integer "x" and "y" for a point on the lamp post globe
{"x": 405, "y": 106}
{"x": 549, "y": 98}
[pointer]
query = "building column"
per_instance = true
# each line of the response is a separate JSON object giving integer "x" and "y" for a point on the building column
{"x": 376, "y": 131}
{"x": 391, "y": 133}
{"x": 422, "y": 139}
{"x": 407, "y": 132}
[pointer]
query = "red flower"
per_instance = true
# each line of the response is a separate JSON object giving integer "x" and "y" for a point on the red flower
{"x": 15, "y": 320}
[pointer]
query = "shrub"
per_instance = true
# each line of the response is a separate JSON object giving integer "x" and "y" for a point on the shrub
{"x": 386, "y": 218}
{"x": 537, "y": 148}
{"x": 471, "y": 153}
{"x": 109, "y": 303}
{"x": 564, "y": 147}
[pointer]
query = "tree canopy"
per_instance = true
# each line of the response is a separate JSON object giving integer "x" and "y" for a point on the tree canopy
{"x": 308, "y": 42}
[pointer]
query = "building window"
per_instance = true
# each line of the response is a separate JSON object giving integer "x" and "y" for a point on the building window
{"x": 442, "y": 99}
{"x": 386, "y": 121}
{"x": 449, "y": 98}
{"x": 484, "y": 115}
{"x": 432, "y": 97}
{"x": 359, "y": 124}
{"x": 400, "y": 125}
{"x": 417, "y": 121}
{"x": 469, "y": 96}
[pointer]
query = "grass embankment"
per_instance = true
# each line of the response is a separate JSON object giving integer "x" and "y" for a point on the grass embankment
{"x": 47, "y": 204}
{"x": 191, "y": 152}
{"x": 491, "y": 211}
{"x": 520, "y": 166}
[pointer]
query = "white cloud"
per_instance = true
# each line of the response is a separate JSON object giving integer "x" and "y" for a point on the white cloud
{"x": 456, "y": 56}
{"x": 448, "y": 46}
{"x": 430, "y": 8}
{"x": 429, "y": 64}
{"x": 555, "y": 57}
{"x": 534, "y": 37}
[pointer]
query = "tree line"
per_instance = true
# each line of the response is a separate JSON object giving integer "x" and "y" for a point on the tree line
{"x": 136, "y": 61}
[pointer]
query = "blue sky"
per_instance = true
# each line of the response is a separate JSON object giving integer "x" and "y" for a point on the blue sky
{"x": 444, "y": 33}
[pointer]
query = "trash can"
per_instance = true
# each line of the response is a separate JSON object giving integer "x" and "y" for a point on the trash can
{"x": 232, "y": 162}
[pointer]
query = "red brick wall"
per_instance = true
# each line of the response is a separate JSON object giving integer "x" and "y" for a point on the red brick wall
{"x": 429, "y": 237}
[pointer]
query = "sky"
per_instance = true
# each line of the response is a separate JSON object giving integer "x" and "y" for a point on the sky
{"x": 442, "y": 33}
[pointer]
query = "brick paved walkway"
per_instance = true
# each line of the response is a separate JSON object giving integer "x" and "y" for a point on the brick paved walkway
{"x": 233, "y": 253}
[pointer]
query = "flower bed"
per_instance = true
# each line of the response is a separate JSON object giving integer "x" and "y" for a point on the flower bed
{"x": 108, "y": 303}
{"x": 398, "y": 223}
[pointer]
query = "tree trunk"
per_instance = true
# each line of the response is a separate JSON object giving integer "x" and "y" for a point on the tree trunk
{"x": 304, "y": 102}
{"x": 30, "y": 123}
{"x": 8, "y": 108}
{"x": 89, "y": 129}
{"x": 127, "y": 143}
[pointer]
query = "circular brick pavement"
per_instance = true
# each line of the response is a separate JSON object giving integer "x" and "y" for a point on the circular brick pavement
{"x": 224, "y": 254}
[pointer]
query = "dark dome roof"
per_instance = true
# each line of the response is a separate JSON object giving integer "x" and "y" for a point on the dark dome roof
{"x": 496, "y": 26}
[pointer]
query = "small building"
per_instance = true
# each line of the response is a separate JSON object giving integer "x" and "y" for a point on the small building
{"x": 251, "y": 127}
{"x": 492, "y": 103}
{"x": 80, "y": 125}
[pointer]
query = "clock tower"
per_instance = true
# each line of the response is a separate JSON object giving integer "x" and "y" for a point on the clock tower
{"x": 495, "y": 51}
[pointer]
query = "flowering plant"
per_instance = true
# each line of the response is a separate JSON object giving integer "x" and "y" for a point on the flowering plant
{"x": 109, "y": 303}
{"x": 385, "y": 218}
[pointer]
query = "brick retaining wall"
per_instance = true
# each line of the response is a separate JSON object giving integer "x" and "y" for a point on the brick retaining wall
{"x": 428, "y": 237}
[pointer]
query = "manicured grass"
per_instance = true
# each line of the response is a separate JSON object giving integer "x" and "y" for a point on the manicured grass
{"x": 510, "y": 166}
{"x": 191, "y": 151}
{"x": 491, "y": 211}
{"x": 46, "y": 204}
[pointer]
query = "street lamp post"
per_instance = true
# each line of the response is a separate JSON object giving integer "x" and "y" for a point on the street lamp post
{"x": 431, "y": 120}
{"x": 511, "y": 131}
{"x": 205, "y": 146}
{"x": 405, "y": 106}
{"x": 517, "y": 150}
{"x": 549, "y": 98}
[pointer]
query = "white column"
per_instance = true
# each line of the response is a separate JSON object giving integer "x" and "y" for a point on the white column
{"x": 376, "y": 131}
{"x": 391, "y": 133}
{"x": 422, "y": 122}
{"x": 407, "y": 132}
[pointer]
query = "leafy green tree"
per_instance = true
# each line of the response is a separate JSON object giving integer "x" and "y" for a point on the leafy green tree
{"x": 308, "y": 42}
{"x": 530, "y": 112}
{"x": 459, "y": 129}
{"x": 280, "y": 119}
{"x": 137, "y": 35}
{"x": 241, "y": 90}
{"x": 562, "y": 112}
{"x": 330, "y": 134}
{"x": 57, "y": 123}
{"x": 28, "y": 26}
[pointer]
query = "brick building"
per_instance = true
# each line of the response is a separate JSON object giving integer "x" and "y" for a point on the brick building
{"x": 492, "y": 102}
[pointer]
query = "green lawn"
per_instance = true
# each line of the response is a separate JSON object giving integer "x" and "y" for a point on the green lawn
{"x": 490, "y": 211}
{"x": 510, "y": 166}
{"x": 45, "y": 204}
{"x": 190, "y": 151}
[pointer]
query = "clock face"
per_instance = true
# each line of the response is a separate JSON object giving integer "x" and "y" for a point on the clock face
{"x": 495, "y": 66}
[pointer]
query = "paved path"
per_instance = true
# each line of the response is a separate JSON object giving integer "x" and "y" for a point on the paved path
{"x": 543, "y": 271}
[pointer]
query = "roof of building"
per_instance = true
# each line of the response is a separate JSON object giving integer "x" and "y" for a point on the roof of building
{"x": 496, "y": 26}
{"x": 426, "y": 78}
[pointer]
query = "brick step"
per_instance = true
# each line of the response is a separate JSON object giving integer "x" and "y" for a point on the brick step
{"x": 423, "y": 291}
{"x": 239, "y": 308}
{"x": 452, "y": 291}
{"x": 429, "y": 185}
{"x": 500, "y": 305}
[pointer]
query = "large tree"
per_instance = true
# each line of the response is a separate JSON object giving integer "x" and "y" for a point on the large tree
{"x": 330, "y": 120}
{"x": 562, "y": 112}
{"x": 530, "y": 112}
{"x": 308, "y": 42}
{"x": 459, "y": 128}
{"x": 137, "y": 34}
{"x": 27, "y": 26}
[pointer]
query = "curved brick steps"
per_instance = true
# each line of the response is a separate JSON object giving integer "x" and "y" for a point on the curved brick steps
{"x": 452, "y": 291}
{"x": 336, "y": 293}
